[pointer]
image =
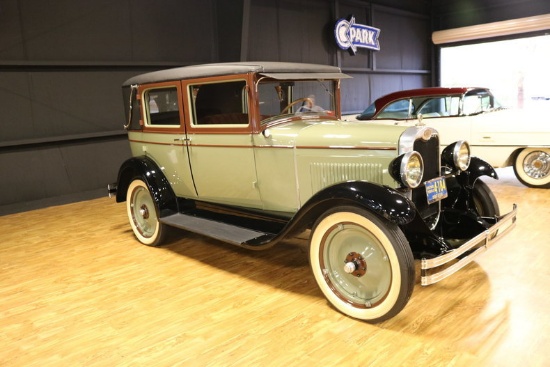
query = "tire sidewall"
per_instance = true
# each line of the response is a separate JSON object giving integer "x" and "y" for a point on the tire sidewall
{"x": 153, "y": 240}
{"x": 488, "y": 204}
{"x": 374, "y": 226}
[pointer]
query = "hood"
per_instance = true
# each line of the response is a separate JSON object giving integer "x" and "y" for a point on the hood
{"x": 313, "y": 133}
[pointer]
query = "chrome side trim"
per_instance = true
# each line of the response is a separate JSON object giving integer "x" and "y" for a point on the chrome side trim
{"x": 489, "y": 237}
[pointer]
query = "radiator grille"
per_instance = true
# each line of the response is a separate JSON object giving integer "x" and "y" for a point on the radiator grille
{"x": 430, "y": 155}
{"x": 326, "y": 174}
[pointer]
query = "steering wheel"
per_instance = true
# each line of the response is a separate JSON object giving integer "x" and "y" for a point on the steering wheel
{"x": 306, "y": 99}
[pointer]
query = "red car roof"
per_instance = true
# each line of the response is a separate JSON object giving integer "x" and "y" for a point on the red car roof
{"x": 432, "y": 91}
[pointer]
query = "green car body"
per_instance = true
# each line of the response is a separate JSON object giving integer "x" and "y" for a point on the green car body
{"x": 252, "y": 153}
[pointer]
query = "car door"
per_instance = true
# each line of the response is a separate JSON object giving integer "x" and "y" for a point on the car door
{"x": 219, "y": 144}
{"x": 162, "y": 135}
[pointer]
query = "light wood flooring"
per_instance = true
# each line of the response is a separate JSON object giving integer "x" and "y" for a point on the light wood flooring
{"x": 76, "y": 289}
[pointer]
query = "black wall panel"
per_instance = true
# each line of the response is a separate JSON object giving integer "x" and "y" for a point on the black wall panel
{"x": 405, "y": 40}
{"x": 290, "y": 31}
{"x": 49, "y": 104}
{"x": 67, "y": 31}
{"x": 51, "y": 170}
{"x": 61, "y": 66}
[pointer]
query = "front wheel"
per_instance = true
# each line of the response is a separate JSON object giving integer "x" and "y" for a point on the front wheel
{"x": 532, "y": 167}
{"x": 485, "y": 201}
{"x": 143, "y": 214}
{"x": 363, "y": 264}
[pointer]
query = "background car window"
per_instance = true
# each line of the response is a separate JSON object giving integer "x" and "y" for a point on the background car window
{"x": 368, "y": 113}
{"x": 162, "y": 106}
{"x": 397, "y": 110}
{"x": 472, "y": 105}
{"x": 220, "y": 103}
{"x": 453, "y": 105}
{"x": 440, "y": 107}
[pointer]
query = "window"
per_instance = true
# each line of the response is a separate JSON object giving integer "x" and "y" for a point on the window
{"x": 223, "y": 103}
{"x": 162, "y": 106}
{"x": 516, "y": 70}
{"x": 401, "y": 109}
{"x": 440, "y": 107}
{"x": 306, "y": 97}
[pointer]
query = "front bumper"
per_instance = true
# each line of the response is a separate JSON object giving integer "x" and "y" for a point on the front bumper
{"x": 482, "y": 241}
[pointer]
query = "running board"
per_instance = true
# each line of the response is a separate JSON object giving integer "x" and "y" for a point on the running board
{"x": 221, "y": 231}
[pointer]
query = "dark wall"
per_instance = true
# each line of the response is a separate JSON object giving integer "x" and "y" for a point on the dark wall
{"x": 62, "y": 63}
{"x": 61, "y": 66}
{"x": 450, "y": 14}
{"x": 303, "y": 31}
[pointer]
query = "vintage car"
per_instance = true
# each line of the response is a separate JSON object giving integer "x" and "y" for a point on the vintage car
{"x": 251, "y": 153}
{"x": 503, "y": 137}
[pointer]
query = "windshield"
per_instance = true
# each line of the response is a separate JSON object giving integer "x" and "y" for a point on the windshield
{"x": 368, "y": 113}
{"x": 289, "y": 98}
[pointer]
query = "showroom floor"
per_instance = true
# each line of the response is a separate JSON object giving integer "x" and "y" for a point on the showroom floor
{"x": 76, "y": 289}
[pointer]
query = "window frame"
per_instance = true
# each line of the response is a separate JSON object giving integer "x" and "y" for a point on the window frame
{"x": 145, "y": 122}
{"x": 189, "y": 104}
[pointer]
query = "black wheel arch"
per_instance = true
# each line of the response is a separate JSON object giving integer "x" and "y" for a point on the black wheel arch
{"x": 383, "y": 201}
{"x": 146, "y": 169}
{"x": 478, "y": 167}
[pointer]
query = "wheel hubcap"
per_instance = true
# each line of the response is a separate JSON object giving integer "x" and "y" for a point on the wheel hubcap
{"x": 537, "y": 165}
{"x": 355, "y": 264}
{"x": 144, "y": 218}
{"x": 343, "y": 258}
{"x": 144, "y": 212}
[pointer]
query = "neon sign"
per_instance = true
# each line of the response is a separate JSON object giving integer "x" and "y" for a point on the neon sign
{"x": 351, "y": 36}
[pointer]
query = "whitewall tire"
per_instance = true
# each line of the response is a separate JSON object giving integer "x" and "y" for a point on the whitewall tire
{"x": 532, "y": 167}
{"x": 143, "y": 214}
{"x": 363, "y": 264}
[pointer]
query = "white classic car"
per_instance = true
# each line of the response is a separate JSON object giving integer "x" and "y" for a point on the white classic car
{"x": 503, "y": 137}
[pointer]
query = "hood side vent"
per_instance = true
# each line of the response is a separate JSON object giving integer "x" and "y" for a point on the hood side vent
{"x": 327, "y": 174}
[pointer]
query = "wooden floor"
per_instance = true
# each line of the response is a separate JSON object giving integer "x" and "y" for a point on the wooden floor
{"x": 76, "y": 289}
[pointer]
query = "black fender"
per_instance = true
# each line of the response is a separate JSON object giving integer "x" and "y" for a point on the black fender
{"x": 478, "y": 167}
{"x": 460, "y": 187}
{"x": 380, "y": 200}
{"x": 146, "y": 169}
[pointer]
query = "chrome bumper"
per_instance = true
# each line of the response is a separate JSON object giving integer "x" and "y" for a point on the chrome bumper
{"x": 488, "y": 237}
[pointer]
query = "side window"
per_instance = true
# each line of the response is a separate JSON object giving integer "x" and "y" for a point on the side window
{"x": 162, "y": 107}
{"x": 396, "y": 110}
{"x": 472, "y": 105}
{"x": 432, "y": 108}
{"x": 453, "y": 104}
{"x": 440, "y": 107}
{"x": 224, "y": 103}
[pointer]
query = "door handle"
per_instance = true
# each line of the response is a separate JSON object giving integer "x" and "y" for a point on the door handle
{"x": 185, "y": 141}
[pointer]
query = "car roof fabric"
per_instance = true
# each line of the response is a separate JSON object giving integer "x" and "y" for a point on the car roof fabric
{"x": 272, "y": 69}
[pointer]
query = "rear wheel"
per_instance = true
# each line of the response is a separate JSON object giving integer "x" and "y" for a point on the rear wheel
{"x": 532, "y": 167}
{"x": 363, "y": 264}
{"x": 143, "y": 214}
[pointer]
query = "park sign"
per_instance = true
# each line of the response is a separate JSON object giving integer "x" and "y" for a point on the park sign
{"x": 350, "y": 35}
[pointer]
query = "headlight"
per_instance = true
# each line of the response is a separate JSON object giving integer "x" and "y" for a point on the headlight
{"x": 408, "y": 169}
{"x": 457, "y": 155}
